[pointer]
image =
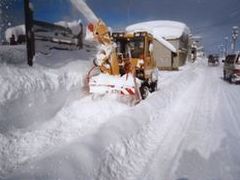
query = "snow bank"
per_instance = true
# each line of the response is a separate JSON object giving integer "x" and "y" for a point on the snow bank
{"x": 60, "y": 69}
{"x": 16, "y": 31}
{"x": 72, "y": 122}
{"x": 166, "y": 29}
{"x": 16, "y": 82}
{"x": 74, "y": 26}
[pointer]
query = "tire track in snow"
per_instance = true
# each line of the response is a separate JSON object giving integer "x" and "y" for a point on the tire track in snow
{"x": 205, "y": 153}
{"x": 230, "y": 96}
{"x": 179, "y": 118}
{"x": 203, "y": 134}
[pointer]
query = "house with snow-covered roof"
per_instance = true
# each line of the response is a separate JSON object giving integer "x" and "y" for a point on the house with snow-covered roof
{"x": 61, "y": 35}
{"x": 175, "y": 33}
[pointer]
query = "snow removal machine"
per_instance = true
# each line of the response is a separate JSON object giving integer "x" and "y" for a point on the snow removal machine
{"x": 125, "y": 63}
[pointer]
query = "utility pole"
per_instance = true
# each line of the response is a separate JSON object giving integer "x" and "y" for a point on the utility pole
{"x": 226, "y": 45}
{"x": 28, "y": 8}
{"x": 235, "y": 33}
{"x": 128, "y": 11}
{"x": 221, "y": 50}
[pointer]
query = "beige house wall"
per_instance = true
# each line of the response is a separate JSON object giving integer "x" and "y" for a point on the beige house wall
{"x": 163, "y": 56}
{"x": 182, "y": 46}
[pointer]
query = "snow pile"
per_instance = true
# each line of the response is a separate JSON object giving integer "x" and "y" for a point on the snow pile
{"x": 21, "y": 81}
{"x": 73, "y": 121}
{"x": 166, "y": 29}
{"x": 16, "y": 81}
{"x": 74, "y": 26}
{"x": 16, "y": 31}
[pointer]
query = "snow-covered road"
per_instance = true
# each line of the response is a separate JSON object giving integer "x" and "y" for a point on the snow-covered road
{"x": 189, "y": 129}
{"x": 204, "y": 141}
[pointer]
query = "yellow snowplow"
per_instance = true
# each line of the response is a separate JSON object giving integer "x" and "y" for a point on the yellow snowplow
{"x": 125, "y": 63}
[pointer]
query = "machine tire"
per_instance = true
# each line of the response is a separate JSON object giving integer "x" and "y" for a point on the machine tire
{"x": 224, "y": 76}
{"x": 153, "y": 86}
{"x": 230, "y": 79}
{"x": 144, "y": 90}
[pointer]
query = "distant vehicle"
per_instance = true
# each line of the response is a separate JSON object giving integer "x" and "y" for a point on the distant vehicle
{"x": 231, "y": 68}
{"x": 213, "y": 60}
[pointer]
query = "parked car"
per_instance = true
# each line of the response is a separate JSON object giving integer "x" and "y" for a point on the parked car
{"x": 231, "y": 68}
{"x": 213, "y": 60}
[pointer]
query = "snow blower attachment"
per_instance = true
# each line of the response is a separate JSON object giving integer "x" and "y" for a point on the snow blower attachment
{"x": 125, "y": 63}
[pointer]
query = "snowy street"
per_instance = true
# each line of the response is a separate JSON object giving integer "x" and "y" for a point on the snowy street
{"x": 51, "y": 128}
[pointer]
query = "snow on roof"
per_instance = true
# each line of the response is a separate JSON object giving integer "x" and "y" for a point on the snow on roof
{"x": 74, "y": 26}
{"x": 16, "y": 31}
{"x": 166, "y": 29}
{"x": 20, "y": 29}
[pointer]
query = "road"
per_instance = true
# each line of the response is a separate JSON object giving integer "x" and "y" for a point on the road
{"x": 204, "y": 141}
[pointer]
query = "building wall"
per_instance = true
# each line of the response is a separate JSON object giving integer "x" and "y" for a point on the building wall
{"x": 182, "y": 46}
{"x": 163, "y": 56}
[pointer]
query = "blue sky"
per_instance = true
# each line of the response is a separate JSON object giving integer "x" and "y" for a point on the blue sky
{"x": 212, "y": 19}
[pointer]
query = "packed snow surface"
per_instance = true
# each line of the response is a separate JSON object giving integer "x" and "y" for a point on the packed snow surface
{"x": 52, "y": 128}
{"x": 166, "y": 29}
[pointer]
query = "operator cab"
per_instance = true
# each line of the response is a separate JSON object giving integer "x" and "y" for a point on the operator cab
{"x": 130, "y": 45}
